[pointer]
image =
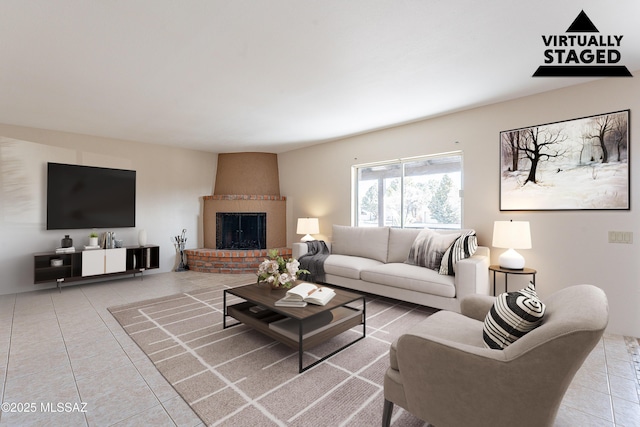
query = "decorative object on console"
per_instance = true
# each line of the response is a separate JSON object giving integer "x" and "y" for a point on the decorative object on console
{"x": 179, "y": 242}
{"x": 93, "y": 239}
{"x": 67, "y": 242}
{"x": 512, "y": 315}
{"x": 142, "y": 237}
{"x": 278, "y": 272}
{"x": 109, "y": 240}
{"x": 308, "y": 226}
{"x": 511, "y": 235}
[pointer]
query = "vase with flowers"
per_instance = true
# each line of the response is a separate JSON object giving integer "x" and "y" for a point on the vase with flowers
{"x": 279, "y": 272}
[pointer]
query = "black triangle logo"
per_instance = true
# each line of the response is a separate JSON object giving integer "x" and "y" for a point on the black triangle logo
{"x": 582, "y": 24}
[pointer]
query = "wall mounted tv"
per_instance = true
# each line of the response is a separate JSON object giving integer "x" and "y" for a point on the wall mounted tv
{"x": 90, "y": 197}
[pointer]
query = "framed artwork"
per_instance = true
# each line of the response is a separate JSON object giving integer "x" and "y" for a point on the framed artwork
{"x": 578, "y": 164}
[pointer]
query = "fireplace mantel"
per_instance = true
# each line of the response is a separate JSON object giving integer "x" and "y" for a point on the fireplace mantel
{"x": 244, "y": 197}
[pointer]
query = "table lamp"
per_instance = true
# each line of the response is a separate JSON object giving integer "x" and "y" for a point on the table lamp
{"x": 308, "y": 226}
{"x": 511, "y": 235}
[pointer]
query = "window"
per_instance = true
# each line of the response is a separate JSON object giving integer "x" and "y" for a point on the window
{"x": 410, "y": 193}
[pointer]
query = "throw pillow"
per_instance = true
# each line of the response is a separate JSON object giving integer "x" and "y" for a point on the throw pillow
{"x": 512, "y": 316}
{"x": 465, "y": 246}
{"x": 429, "y": 247}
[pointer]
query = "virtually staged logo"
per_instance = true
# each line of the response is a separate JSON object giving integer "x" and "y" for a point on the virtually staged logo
{"x": 580, "y": 53}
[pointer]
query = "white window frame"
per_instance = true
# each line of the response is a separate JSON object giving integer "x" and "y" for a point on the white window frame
{"x": 355, "y": 214}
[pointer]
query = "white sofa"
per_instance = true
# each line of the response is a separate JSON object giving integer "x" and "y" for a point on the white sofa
{"x": 372, "y": 259}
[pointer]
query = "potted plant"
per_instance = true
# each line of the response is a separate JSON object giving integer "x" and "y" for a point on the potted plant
{"x": 93, "y": 239}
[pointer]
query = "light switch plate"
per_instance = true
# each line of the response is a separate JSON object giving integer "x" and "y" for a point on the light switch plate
{"x": 621, "y": 237}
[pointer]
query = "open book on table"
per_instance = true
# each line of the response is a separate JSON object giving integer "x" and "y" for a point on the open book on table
{"x": 304, "y": 293}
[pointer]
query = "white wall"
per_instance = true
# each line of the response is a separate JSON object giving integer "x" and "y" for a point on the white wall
{"x": 568, "y": 247}
{"x": 169, "y": 189}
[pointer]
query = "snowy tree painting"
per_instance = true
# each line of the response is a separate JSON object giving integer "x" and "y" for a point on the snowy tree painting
{"x": 575, "y": 164}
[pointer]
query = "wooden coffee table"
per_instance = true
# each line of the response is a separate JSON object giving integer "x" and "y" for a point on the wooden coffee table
{"x": 300, "y": 328}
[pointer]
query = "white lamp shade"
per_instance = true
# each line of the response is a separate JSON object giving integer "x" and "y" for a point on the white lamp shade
{"x": 308, "y": 226}
{"x": 511, "y": 235}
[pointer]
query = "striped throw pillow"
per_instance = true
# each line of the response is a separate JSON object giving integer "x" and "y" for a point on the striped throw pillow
{"x": 429, "y": 247}
{"x": 463, "y": 247}
{"x": 512, "y": 316}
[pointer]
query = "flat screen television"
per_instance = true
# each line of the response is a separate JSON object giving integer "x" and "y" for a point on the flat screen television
{"x": 90, "y": 197}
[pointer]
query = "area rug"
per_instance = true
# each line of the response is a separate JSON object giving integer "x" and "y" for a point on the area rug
{"x": 239, "y": 377}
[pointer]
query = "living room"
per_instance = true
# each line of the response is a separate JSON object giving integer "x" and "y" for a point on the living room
{"x": 568, "y": 247}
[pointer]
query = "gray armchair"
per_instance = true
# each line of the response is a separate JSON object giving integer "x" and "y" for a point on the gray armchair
{"x": 442, "y": 373}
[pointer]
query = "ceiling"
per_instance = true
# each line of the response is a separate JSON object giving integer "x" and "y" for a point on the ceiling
{"x": 275, "y": 75}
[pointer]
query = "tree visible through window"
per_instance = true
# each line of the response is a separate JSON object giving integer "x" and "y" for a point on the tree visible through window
{"x": 416, "y": 193}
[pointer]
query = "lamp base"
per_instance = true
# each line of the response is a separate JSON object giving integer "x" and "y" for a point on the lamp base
{"x": 512, "y": 260}
{"x": 307, "y": 238}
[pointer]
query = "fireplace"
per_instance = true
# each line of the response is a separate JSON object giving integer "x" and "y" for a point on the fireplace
{"x": 236, "y": 230}
{"x": 245, "y": 216}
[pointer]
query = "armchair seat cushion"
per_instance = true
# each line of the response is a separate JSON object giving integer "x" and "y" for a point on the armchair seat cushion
{"x": 445, "y": 326}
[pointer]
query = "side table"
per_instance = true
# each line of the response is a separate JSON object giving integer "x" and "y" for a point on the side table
{"x": 507, "y": 272}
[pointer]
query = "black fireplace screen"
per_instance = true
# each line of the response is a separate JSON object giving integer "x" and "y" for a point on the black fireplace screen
{"x": 241, "y": 230}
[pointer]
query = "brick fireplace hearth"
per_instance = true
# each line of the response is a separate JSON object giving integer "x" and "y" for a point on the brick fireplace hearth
{"x": 226, "y": 261}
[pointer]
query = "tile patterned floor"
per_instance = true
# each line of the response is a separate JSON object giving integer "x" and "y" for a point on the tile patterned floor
{"x": 65, "y": 348}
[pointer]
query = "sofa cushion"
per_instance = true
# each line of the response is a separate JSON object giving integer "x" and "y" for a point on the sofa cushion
{"x": 464, "y": 247}
{"x": 348, "y": 266}
{"x": 429, "y": 247}
{"x": 400, "y": 241}
{"x": 513, "y": 315}
{"x": 411, "y": 277}
{"x": 366, "y": 242}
